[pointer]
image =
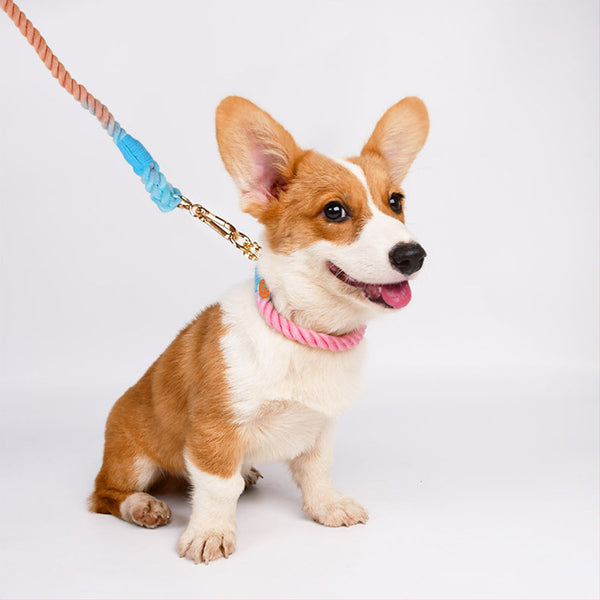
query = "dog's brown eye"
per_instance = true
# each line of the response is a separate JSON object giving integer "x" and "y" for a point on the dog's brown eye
{"x": 396, "y": 202}
{"x": 335, "y": 212}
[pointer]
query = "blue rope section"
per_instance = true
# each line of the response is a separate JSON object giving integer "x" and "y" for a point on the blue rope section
{"x": 163, "y": 194}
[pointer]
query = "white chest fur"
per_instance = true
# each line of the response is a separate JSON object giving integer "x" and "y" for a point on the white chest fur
{"x": 281, "y": 391}
{"x": 282, "y": 430}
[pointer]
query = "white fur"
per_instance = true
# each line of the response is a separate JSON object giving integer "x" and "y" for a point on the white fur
{"x": 321, "y": 500}
{"x": 146, "y": 472}
{"x": 367, "y": 259}
{"x": 213, "y": 497}
{"x": 265, "y": 369}
{"x": 211, "y": 530}
{"x": 304, "y": 290}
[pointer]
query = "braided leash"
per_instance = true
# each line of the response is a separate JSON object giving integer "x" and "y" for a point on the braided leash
{"x": 163, "y": 194}
{"x": 167, "y": 197}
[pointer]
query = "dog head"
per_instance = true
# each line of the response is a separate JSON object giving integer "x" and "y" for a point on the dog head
{"x": 336, "y": 250}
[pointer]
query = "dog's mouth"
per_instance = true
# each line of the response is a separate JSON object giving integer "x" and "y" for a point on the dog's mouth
{"x": 390, "y": 295}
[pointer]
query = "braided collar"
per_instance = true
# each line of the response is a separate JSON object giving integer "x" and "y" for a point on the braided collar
{"x": 299, "y": 334}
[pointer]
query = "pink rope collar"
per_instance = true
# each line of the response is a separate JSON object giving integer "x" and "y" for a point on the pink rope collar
{"x": 296, "y": 333}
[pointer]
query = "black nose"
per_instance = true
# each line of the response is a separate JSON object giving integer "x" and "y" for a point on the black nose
{"x": 407, "y": 258}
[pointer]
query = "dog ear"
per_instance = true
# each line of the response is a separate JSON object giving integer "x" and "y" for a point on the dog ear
{"x": 258, "y": 152}
{"x": 399, "y": 135}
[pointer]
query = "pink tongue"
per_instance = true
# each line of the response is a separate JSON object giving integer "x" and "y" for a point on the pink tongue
{"x": 396, "y": 295}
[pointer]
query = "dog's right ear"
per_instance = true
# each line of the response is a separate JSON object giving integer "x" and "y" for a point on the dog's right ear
{"x": 258, "y": 152}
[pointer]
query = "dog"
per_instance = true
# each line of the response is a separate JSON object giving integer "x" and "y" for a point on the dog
{"x": 263, "y": 374}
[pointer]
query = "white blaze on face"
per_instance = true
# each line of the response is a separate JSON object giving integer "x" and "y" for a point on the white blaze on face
{"x": 367, "y": 259}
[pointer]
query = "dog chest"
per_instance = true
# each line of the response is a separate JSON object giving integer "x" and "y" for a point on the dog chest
{"x": 263, "y": 366}
{"x": 276, "y": 369}
{"x": 282, "y": 430}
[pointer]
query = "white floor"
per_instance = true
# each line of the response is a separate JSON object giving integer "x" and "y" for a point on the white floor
{"x": 478, "y": 486}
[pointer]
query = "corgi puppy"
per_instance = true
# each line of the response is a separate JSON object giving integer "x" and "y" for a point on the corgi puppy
{"x": 262, "y": 375}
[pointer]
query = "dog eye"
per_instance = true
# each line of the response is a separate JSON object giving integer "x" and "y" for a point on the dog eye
{"x": 396, "y": 202}
{"x": 336, "y": 212}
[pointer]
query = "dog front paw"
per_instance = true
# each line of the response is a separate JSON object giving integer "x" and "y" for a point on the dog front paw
{"x": 341, "y": 511}
{"x": 206, "y": 544}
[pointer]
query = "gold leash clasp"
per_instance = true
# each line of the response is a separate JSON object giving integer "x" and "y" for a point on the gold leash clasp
{"x": 222, "y": 227}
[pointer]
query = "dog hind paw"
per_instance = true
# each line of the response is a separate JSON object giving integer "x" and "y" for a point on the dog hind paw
{"x": 145, "y": 510}
{"x": 251, "y": 477}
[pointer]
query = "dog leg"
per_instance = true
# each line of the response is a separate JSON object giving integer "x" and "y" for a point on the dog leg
{"x": 322, "y": 501}
{"x": 120, "y": 489}
{"x": 210, "y": 533}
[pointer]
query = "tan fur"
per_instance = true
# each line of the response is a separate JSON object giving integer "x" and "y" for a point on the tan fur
{"x": 399, "y": 135}
{"x": 248, "y": 136}
{"x": 289, "y": 196}
{"x": 379, "y": 181}
{"x": 296, "y": 219}
{"x": 180, "y": 403}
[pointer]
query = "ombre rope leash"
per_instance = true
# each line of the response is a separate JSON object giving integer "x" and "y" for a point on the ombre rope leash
{"x": 163, "y": 194}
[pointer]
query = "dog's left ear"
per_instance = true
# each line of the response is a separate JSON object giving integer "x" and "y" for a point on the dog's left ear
{"x": 257, "y": 151}
{"x": 399, "y": 136}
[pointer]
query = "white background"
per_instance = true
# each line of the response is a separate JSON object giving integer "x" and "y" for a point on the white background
{"x": 475, "y": 442}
